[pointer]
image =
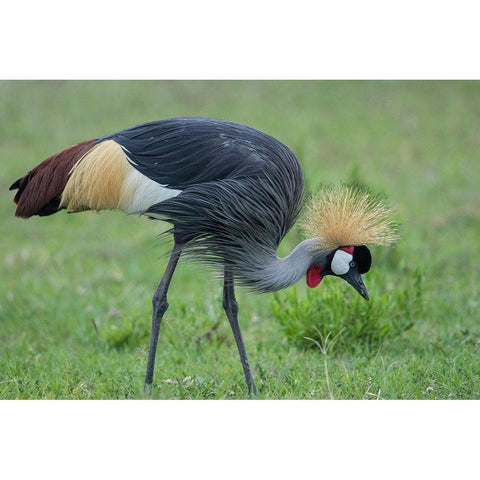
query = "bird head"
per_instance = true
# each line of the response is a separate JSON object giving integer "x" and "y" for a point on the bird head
{"x": 348, "y": 263}
{"x": 342, "y": 220}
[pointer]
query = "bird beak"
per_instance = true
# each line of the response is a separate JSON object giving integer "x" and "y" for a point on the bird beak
{"x": 356, "y": 281}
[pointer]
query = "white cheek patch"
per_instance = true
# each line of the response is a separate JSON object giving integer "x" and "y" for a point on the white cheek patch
{"x": 341, "y": 262}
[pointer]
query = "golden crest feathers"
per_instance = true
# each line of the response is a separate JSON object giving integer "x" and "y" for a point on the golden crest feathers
{"x": 347, "y": 215}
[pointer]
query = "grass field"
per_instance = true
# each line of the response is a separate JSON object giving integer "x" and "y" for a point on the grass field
{"x": 75, "y": 290}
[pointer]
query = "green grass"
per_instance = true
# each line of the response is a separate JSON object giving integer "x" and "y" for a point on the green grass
{"x": 75, "y": 290}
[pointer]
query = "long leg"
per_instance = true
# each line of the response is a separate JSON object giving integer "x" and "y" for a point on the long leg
{"x": 160, "y": 306}
{"x": 231, "y": 309}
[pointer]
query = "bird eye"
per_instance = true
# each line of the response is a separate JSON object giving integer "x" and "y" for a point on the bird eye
{"x": 352, "y": 263}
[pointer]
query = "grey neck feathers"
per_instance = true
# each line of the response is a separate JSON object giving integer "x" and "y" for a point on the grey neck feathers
{"x": 277, "y": 273}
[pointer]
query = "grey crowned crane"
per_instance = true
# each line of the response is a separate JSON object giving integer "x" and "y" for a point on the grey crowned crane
{"x": 231, "y": 193}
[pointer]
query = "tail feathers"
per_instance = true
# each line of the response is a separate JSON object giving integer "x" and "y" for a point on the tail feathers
{"x": 40, "y": 190}
{"x": 16, "y": 184}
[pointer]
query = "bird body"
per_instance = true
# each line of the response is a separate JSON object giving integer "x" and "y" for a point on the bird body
{"x": 231, "y": 193}
{"x": 234, "y": 191}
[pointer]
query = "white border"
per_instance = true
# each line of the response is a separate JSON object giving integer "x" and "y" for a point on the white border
{"x": 239, "y": 439}
{"x": 240, "y": 40}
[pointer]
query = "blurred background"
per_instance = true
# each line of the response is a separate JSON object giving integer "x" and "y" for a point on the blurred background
{"x": 75, "y": 289}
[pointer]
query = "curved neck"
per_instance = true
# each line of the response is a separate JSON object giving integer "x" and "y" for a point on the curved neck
{"x": 277, "y": 273}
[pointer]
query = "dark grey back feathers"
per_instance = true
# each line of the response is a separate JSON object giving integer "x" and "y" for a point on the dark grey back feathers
{"x": 182, "y": 152}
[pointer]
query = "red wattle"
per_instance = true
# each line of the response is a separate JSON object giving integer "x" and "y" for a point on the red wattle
{"x": 314, "y": 276}
{"x": 347, "y": 249}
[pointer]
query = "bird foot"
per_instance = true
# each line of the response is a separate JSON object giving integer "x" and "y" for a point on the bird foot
{"x": 252, "y": 388}
{"x": 147, "y": 390}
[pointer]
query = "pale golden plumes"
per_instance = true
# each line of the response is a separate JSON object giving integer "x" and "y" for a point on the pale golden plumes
{"x": 347, "y": 216}
{"x": 96, "y": 181}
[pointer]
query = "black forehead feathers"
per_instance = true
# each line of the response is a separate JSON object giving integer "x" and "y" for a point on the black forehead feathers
{"x": 363, "y": 258}
{"x": 330, "y": 257}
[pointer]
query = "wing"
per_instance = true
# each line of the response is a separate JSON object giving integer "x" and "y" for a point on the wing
{"x": 182, "y": 152}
